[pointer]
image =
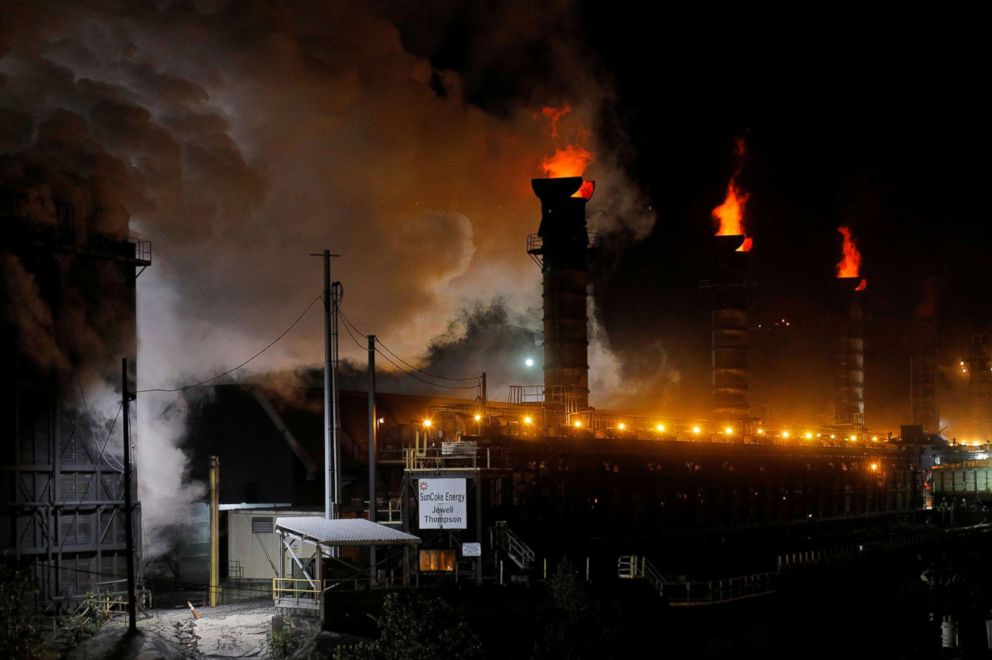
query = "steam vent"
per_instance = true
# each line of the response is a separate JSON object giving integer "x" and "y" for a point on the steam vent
{"x": 561, "y": 246}
{"x": 728, "y": 315}
{"x": 849, "y": 381}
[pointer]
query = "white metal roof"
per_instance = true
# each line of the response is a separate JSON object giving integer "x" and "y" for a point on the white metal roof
{"x": 343, "y": 531}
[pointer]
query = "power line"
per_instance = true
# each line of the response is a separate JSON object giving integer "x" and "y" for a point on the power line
{"x": 106, "y": 457}
{"x": 233, "y": 369}
{"x": 424, "y": 380}
{"x": 475, "y": 378}
{"x": 349, "y": 327}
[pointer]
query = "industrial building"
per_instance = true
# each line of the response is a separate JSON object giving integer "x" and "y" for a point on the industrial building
{"x": 543, "y": 472}
{"x": 61, "y": 479}
{"x": 533, "y": 475}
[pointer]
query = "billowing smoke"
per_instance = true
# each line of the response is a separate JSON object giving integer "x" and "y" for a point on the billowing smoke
{"x": 240, "y": 137}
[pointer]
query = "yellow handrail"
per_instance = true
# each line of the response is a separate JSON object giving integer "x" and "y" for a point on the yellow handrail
{"x": 294, "y": 588}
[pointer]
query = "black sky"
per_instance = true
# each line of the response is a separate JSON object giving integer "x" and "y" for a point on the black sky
{"x": 878, "y": 125}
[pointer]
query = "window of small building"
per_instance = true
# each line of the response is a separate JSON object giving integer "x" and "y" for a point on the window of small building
{"x": 437, "y": 561}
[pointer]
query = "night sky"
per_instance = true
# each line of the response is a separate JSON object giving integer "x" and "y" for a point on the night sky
{"x": 239, "y": 137}
{"x": 846, "y": 122}
{"x": 878, "y": 129}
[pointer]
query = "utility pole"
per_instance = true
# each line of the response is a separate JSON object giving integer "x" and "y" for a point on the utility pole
{"x": 336, "y": 294}
{"x": 214, "y": 530}
{"x": 132, "y": 624}
{"x": 332, "y": 487}
{"x": 485, "y": 414}
{"x": 373, "y": 424}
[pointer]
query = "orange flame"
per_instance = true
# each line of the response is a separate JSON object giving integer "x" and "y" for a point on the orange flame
{"x": 862, "y": 285}
{"x": 569, "y": 161}
{"x": 730, "y": 214}
{"x": 850, "y": 263}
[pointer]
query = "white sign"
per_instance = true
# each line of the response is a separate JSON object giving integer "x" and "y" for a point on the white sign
{"x": 471, "y": 549}
{"x": 442, "y": 504}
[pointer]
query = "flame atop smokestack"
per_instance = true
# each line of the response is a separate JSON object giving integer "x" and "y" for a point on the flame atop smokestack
{"x": 730, "y": 214}
{"x": 571, "y": 160}
{"x": 850, "y": 263}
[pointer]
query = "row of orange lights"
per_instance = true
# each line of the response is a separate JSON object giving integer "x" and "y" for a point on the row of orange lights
{"x": 696, "y": 430}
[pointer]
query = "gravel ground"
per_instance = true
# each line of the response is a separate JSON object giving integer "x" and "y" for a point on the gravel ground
{"x": 238, "y": 630}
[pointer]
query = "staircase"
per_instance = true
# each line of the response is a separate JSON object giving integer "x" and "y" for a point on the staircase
{"x": 632, "y": 567}
{"x": 519, "y": 552}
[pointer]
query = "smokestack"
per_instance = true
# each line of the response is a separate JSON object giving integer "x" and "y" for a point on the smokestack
{"x": 923, "y": 373}
{"x": 849, "y": 381}
{"x": 980, "y": 387}
{"x": 561, "y": 246}
{"x": 729, "y": 323}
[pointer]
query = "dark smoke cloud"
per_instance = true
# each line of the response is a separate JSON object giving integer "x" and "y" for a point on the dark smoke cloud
{"x": 240, "y": 136}
{"x": 28, "y": 314}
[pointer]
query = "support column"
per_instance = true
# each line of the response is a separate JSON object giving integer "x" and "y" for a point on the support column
{"x": 478, "y": 525}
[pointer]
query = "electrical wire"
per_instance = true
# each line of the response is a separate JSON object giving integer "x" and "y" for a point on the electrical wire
{"x": 119, "y": 465}
{"x": 115, "y": 464}
{"x": 233, "y": 369}
{"x": 473, "y": 378}
{"x": 349, "y": 326}
{"x": 424, "y": 380}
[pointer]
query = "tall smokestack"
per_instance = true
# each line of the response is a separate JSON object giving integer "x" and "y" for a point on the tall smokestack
{"x": 923, "y": 373}
{"x": 561, "y": 246}
{"x": 849, "y": 380}
{"x": 980, "y": 387}
{"x": 729, "y": 323}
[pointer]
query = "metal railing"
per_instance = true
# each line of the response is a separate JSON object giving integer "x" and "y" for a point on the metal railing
{"x": 64, "y": 232}
{"x": 713, "y": 592}
{"x": 435, "y": 458}
{"x": 535, "y": 245}
{"x": 303, "y": 594}
{"x": 296, "y": 593}
{"x": 632, "y": 567}
{"x": 519, "y": 552}
{"x": 684, "y": 592}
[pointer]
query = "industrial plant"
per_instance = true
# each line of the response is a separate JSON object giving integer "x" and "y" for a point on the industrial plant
{"x": 459, "y": 341}
{"x": 335, "y": 489}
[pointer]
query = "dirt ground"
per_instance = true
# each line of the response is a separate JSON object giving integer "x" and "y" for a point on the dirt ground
{"x": 238, "y": 630}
